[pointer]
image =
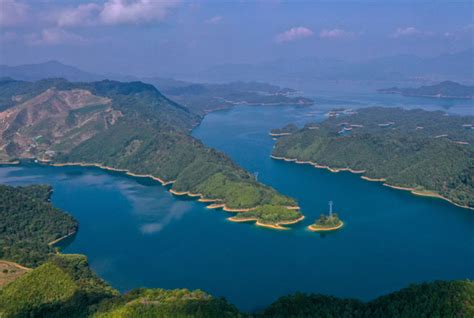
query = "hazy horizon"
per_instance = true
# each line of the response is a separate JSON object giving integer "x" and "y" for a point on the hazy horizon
{"x": 145, "y": 38}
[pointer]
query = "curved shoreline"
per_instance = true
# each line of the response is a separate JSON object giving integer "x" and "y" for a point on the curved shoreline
{"x": 214, "y": 205}
{"x": 56, "y": 241}
{"x": 279, "y": 134}
{"x": 414, "y": 191}
{"x": 97, "y": 165}
{"x": 323, "y": 229}
{"x": 276, "y": 226}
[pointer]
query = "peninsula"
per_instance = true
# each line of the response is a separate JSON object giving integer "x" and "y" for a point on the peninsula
{"x": 445, "y": 90}
{"x": 202, "y": 98}
{"x": 426, "y": 153}
{"x": 125, "y": 127}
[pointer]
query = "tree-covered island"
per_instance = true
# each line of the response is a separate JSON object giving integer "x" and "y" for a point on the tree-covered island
{"x": 327, "y": 222}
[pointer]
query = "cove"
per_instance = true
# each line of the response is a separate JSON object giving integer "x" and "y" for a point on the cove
{"x": 136, "y": 234}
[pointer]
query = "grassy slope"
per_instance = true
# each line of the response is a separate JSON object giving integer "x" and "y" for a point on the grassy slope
{"x": 64, "y": 286}
{"x": 403, "y": 155}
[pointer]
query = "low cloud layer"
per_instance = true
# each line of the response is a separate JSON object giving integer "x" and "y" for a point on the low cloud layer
{"x": 294, "y": 34}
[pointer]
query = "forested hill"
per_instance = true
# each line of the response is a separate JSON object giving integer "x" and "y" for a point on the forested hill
{"x": 446, "y": 89}
{"x": 202, "y": 98}
{"x": 28, "y": 223}
{"x": 126, "y": 126}
{"x": 431, "y": 153}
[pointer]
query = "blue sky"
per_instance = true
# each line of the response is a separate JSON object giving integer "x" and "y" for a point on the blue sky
{"x": 150, "y": 37}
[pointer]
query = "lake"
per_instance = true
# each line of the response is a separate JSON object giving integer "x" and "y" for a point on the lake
{"x": 136, "y": 234}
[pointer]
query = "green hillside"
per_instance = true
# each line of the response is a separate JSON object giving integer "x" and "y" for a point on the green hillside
{"x": 428, "y": 151}
{"x": 28, "y": 222}
{"x": 64, "y": 286}
{"x": 437, "y": 299}
{"x": 204, "y": 98}
{"x": 127, "y": 126}
{"x": 162, "y": 303}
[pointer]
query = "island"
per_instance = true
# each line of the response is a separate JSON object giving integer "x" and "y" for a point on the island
{"x": 329, "y": 222}
{"x": 64, "y": 285}
{"x": 427, "y": 153}
{"x": 445, "y": 90}
{"x": 326, "y": 223}
{"x": 125, "y": 127}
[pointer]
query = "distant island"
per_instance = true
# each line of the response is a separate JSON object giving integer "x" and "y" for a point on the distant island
{"x": 426, "y": 153}
{"x": 130, "y": 128}
{"x": 202, "y": 98}
{"x": 64, "y": 285}
{"x": 287, "y": 130}
{"x": 446, "y": 89}
{"x": 330, "y": 222}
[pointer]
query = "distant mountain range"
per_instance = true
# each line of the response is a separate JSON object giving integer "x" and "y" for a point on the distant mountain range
{"x": 50, "y": 69}
{"x": 446, "y": 89}
{"x": 456, "y": 66}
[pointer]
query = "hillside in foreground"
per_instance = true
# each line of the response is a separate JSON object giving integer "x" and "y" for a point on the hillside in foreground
{"x": 428, "y": 153}
{"x": 130, "y": 127}
{"x": 63, "y": 285}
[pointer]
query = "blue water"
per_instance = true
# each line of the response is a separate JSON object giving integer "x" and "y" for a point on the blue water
{"x": 136, "y": 234}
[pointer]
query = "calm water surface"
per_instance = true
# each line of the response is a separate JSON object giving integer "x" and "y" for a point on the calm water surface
{"x": 136, "y": 234}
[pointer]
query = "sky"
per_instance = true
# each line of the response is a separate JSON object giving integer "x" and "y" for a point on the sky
{"x": 152, "y": 37}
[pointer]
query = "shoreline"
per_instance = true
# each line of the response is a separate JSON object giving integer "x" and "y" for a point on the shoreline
{"x": 424, "y": 193}
{"x": 279, "y": 134}
{"x": 52, "y": 243}
{"x": 316, "y": 165}
{"x": 97, "y": 165}
{"x": 277, "y": 226}
{"x": 325, "y": 229}
{"x": 202, "y": 199}
{"x": 10, "y": 163}
{"x": 427, "y": 193}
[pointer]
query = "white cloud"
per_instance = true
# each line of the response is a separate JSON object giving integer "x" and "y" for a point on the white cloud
{"x": 84, "y": 14}
{"x": 54, "y": 36}
{"x": 336, "y": 34}
{"x": 135, "y": 11}
{"x": 293, "y": 34}
{"x": 214, "y": 20}
{"x": 13, "y": 13}
{"x": 408, "y": 32}
{"x": 114, "y": 12}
